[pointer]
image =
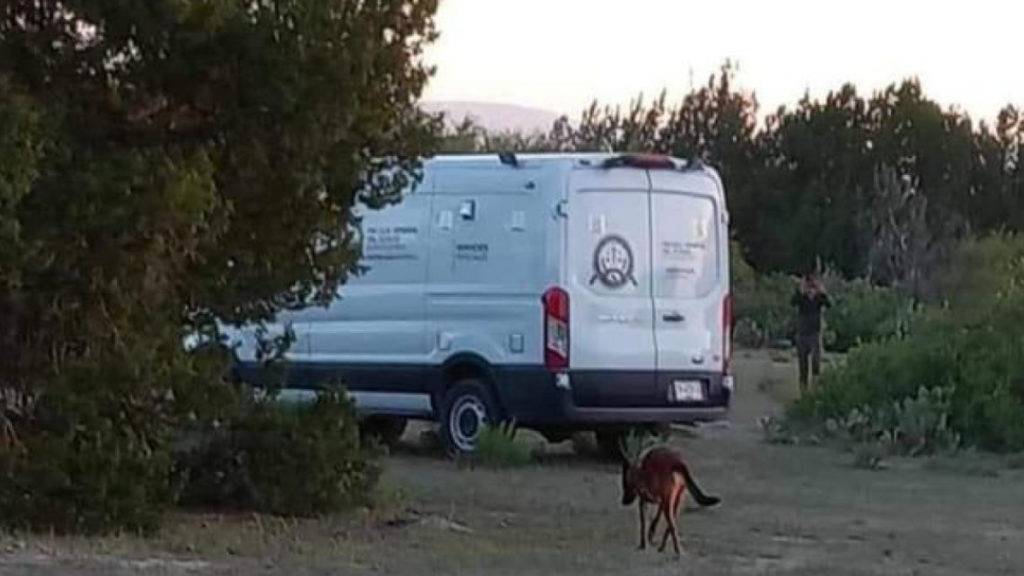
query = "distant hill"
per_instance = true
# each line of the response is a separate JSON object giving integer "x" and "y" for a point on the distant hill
{"x": 495, "y": 117}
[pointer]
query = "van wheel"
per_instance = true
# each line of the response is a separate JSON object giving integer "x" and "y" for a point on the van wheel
{"x": 609, "y": 443}
{"x": 387, "y": 429}
{"x": 466, "y": 409}
{"x": 555, "y": 435}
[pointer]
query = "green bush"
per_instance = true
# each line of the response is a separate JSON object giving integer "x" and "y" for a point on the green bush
{"x": 862, "y": 312}
{"x": 88, "y": 455}
{"x": 497, "y": 447}
{"x": 763, "y": 311}
{"x": 913, "y": 426}
{"x": 747, "y": 334}
{"x": 288, "y": 459}
{"x": 970, "y": 350}
{"x": 977, "y": 271}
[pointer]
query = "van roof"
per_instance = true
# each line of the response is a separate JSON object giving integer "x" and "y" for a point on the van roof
{"x": 535, "y": 156}
{"x": 573, "y": 158}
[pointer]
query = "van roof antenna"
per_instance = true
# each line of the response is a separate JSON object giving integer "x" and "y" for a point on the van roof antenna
{"x": 508, "y": 158}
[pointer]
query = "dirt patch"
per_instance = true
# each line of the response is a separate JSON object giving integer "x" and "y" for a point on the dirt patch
{"x": 790, "y": 510}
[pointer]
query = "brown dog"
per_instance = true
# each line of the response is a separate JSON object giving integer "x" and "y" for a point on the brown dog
{"x": 660, "y": 477}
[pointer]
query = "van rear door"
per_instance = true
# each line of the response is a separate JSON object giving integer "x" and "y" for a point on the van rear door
{"x": 609, "y": 284}
{"x": 687, "y": 283}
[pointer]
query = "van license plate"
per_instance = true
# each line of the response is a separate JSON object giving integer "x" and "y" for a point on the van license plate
{"x": 687, "y": 390}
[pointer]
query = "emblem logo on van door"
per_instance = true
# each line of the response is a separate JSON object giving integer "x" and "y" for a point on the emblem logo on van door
{"x": 613, "y": 262}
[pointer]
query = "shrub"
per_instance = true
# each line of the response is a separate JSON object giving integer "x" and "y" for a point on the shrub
{"x": 993, "y": 263}
{"x": 913, "y": 426}
{"x": 775, "y": 431}
{"x": 88, "y": 455}
{"x": 971, "y": 351}
{"x": 763, "y": 311}
{"x": 862, "y": 313}
{"x": 747, "y": 334}
{"x": 869, "y": 456}
{"x": 297, "y": 460}
{"x": 497, "y": 447}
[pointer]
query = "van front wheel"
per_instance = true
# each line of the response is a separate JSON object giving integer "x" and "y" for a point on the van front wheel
{"x": 467, "y": 408}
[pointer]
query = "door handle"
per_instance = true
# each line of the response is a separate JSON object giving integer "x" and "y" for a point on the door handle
{"x": 672, "y": 317}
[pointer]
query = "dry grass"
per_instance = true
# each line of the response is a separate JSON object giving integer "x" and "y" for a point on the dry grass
{"x": 788, "y": 510}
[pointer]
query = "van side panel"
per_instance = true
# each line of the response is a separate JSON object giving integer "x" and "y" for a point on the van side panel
{"x": 378, "y": 314}
{"x": 373, "y": 336}
{"x": 455, "y": 274}
{"x": 487, "y": 263}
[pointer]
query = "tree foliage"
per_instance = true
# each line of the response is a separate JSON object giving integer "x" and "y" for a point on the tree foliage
{"x": 163, "y": 163}
{"x": 815, "y": 183}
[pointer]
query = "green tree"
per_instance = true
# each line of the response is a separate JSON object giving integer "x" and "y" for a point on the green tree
{"x": 913, "y": 135}
{"x": 996, "y": 199}
{"x": 804, "y": 187}
{"x": 468, "y": 137}
{"x": 815, "y": 170}
{"x": 900, "y": 251}
{"x": 164, "y": 163}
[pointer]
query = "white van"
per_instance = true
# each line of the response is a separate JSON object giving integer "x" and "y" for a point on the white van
{"x": 565, "y": 291}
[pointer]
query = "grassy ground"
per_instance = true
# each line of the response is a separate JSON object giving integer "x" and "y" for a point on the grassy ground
{"x": 787, "y": 510}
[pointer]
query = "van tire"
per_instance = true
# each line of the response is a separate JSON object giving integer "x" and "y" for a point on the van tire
{"x": 466, "y": 408}
{"x": 387, "y": 429}
{"x": 609, "y": 443}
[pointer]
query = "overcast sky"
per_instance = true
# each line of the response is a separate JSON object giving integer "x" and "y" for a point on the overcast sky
{"x": 560, "y": 54}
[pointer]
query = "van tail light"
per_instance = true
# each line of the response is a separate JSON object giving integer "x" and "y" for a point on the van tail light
{"x": 556, "y": 329}
{"x": 726, "y": 332}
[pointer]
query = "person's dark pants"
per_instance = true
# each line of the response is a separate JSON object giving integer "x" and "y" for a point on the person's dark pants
{"x": 808, "y": 351}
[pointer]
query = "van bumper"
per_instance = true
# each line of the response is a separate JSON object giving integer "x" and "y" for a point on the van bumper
{"x": 539, "y": 398}
{"x": 682, "y": 415}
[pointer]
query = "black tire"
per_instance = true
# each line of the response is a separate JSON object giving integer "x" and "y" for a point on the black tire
{"x": 609, "y": 443}
{"x": 555, "y": 435}
{"x": 466, "y": 408}
{"x": 386, "y": 429}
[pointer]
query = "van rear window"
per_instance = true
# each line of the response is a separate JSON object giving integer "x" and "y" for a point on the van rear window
{"x": 686, "y": 261}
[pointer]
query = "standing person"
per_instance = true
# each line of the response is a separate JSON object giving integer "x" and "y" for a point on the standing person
{"x": 809, "y": 300}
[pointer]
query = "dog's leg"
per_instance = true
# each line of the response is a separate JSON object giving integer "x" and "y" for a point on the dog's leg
{"x": 654, "y": 525}
{"x": 665, "y": 505}
{"x": 680, "y": 501}
{"x": 673, "y": 519}
{"x": 643, "y": 523}
{"x": 675, "y": 535}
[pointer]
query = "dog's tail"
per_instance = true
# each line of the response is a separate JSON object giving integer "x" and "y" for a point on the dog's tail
{"x": 691, "y": 485}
